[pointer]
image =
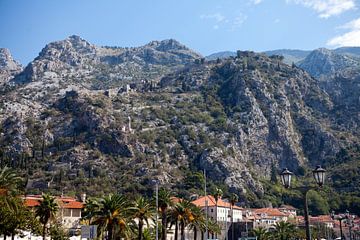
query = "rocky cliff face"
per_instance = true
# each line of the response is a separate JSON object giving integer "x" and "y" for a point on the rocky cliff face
{"x": 8, "y": 66}
{"x": 323, "y": 63}
{"x": 75, "y": 60}
{"x": 68, "y": 120}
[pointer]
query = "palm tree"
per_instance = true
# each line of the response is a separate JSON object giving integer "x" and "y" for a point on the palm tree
{"x": 90, "y": 210}
{"x": 164, "y": 204}
{"x": 284, "y": 230}
{"x": 9, "y": 180}
{"x": 46, "y": 211}
{"x": 213, "y": 227}
{"x": 142, "y": 210}
{"x": 260, "y": 233}
{"x": 14, "y": 216}
{"x": 198, "y": 220}
{"x": 113, "y": 214}
{"x": 233, "y": 199}
{"x": 218, "y": 194}
{"x": 182, "y": 215}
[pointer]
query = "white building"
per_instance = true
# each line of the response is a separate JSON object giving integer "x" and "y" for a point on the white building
{"x": 69, "y": 209}
{"x": 219, "y": 210}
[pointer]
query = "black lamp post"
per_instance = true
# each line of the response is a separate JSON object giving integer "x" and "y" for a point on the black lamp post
{"x": 340, "y": 218}
{"x": 319, "y": 176}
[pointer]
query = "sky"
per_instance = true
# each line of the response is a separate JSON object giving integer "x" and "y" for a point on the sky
{"x": 207, "y": 26}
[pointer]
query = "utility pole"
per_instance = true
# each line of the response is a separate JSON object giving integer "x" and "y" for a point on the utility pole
{"x": 206, "y": 209}
{"x": 157, "y": 209}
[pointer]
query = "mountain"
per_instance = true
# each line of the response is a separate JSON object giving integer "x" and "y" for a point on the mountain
{"x": 352, "y": 51}
{"x": 102, "y": 67}
{"x": 221, "y": 55}
{"x": 8, "y": 66}
{"x": 84, "y": 118}
{"x": 326, "y": 63}
{"x": 290, "y": 56}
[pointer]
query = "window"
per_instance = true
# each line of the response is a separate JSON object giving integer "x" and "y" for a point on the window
{"x": 76, "y": 213}
{"x": 212, "y": 210}
{"x": 67, "y": 212}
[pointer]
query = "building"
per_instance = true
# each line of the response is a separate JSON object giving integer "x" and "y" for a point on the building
{"x": 69, "y": 209}
{"x": 289, "y": 210}
{"x": 268, "y": 217}
{"x": 219, "y": 210}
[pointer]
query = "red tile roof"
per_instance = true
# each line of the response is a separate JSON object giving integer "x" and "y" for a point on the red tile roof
{"x": 287, "y": 207}
{"x": 270, "y": 212}
{"x": 31, "y": 202}
{"x": 64, "y": 202}
{"x": 200, "y": 202}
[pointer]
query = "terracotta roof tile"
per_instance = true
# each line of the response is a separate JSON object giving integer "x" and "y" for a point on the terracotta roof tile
{"x": 270, "y": 212}
{"x": 64, "y": 202}
{"x": 200, "y": 202}
{"x": 31, "y": 202}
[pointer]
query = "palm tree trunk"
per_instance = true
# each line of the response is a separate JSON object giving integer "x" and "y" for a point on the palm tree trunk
{"x": 195, "y": 233}
{"x": 140, "y": 230}
{"x": 44, "y": 231}
{"x": 110, "y": 232}
{"x": 4, "y": 236}
{"x": 12, "y": 236}
{"x": 176, "y": 230}
{"x": 232, "y": 222}
{"x": 216, "y": 215}
{"x": 163, "y": 224}
{"x": 182, "y": 230}
{"x": 202, "y": 235}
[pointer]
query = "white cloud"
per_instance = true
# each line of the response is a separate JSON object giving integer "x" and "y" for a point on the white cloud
{"x": 277, "y": 20}
{"x": 351, "y": 38}
{"x": 326, "y": 8}
{"x": 219, "y": 20}
{"x": 237, "y": 21}
{"x": 218, "y": 17}
{"x": 256, "y": 2}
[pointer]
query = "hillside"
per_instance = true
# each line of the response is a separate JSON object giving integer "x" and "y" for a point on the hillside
{"x": 101, "y": 119}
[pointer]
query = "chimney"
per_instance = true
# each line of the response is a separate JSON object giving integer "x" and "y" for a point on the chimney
{"x": 83, "y": 197}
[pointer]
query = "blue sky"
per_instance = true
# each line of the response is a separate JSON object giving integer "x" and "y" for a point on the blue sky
{"x": 206, "y": 26}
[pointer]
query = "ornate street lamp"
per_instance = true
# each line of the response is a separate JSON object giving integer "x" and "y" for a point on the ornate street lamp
{"x": 319, "y": 175}
{"x": 340, "y": 218}
{"x": 286, "y": 177}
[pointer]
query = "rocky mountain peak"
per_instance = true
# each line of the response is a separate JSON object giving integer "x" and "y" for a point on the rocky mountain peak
{"x": 68, "y": 50}
{"x": 6, "y": 60}
{"x": 167, "y": 45}
{"x": 8, "y": 66}
{"x": 323, "y": 62}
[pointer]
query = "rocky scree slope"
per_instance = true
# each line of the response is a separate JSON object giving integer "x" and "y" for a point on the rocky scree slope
{"x": 8, "y": 66}
{"x": 238, "y": 118}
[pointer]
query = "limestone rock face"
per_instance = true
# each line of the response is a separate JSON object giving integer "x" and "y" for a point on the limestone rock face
{"x": 122, "y": 117}
{"x": 8, "y": 66}
{"x": 324, "y": 63}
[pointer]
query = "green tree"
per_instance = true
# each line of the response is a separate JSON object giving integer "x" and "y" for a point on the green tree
{"x": 217, "y": 195}
{"x": 113, "y": 214}
{"x": 90, "y": 210}
{"x": 181, "y": 216}
{"x": 284, "y": 230}
{"x": 14, "y": 216}
{"x": 46, "y": 211}
{"x": 261, "y": 233}
{"x": 197, "y": 221}
{"x": 142, "y": 210}
{"x": 233, "y": 199}
{"x": 9, "y": 180}
{"x": 164, "y": 204}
